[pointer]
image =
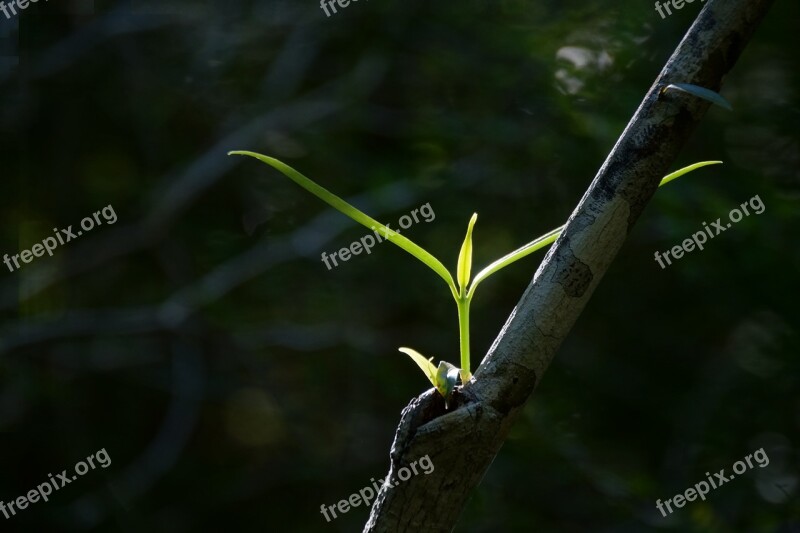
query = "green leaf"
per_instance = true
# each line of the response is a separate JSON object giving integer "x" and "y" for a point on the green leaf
{"x": 365, "y": 220}
{"x": 425, "y": 364}
{"x": 446, "y": 377}
{"x": 465, "y": 257}
{"x": 700, "y": 92}
{"x": 516, "y": 255}
{"x": 442, "y": 378}
{"x": 678, "y": 173}
{"x": 552, "y": 235}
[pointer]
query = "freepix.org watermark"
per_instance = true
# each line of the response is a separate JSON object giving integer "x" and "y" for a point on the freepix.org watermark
{"x": 331, "y": 4}
{"x": 13, "y": 4}
{"x": 677, "y": 4}
{"x": 367, "y": 495}
{"x": 63, "y": 236}
{"x": 699, "y": 238}
{"x": 367, "y": 242}
{"x": 54, "y": 483}
{"x": 702, "y": 488}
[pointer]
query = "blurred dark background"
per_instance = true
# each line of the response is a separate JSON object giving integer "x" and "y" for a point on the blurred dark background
{"x": 237, "y": 384}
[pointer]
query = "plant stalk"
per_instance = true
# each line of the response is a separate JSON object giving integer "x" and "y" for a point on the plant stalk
{"x": 463, "y": 329}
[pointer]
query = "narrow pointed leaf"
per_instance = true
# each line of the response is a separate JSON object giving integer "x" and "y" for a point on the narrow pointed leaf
{"x": 516, "y": 255}
{"x": 365, "y": 220}
{"x": 551, "y": 236}
{"x": 678, "y": 173}
{"x": 701, "y": 92}
{"x": 425, "y": 364}
{"x": 465, "y": 256}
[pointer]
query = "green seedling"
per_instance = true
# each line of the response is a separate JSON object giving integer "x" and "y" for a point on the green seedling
{"x": 443, "y": 377}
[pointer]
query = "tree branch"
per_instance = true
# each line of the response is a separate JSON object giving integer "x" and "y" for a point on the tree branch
{"x": 462, "y": 442}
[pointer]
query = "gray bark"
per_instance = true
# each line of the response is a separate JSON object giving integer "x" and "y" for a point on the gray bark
{"x": 463, "y": 441}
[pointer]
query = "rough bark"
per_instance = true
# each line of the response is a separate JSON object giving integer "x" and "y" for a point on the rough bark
{"x": 463, "y": 441}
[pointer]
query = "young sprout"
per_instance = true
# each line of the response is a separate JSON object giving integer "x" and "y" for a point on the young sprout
{"x": 443, "y": 377}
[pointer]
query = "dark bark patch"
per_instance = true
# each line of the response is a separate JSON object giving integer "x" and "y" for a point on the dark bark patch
{"x": 573, "y": 275}
{"x": 521, "y": 385}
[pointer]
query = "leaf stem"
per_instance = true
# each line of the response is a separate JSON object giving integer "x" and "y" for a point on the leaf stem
{"x": 463, "y": 329}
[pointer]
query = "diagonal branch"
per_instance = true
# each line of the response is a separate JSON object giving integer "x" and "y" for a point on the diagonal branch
{"x": 463, "y": 442}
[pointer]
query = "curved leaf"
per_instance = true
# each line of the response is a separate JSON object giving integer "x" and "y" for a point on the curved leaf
{"x": 678, "y": 173}
{"x": 552, "y": 235}
{"x": 516, "y": 255}
{"x": 700, "y": 92}
{"x": 365, "y": 220}
{"x": 425, "y": 364}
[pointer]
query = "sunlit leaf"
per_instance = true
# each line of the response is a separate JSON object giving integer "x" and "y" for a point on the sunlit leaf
{"x": 425, "y": 364}
{"x": 678, "y": 173}
{"x": 516, "y": 255}
{"x": 552, "y": 235}
{"x": 365, "y": 220}
{"x": 465, "y": 256}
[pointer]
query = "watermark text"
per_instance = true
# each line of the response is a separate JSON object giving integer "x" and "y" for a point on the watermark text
{"x": 367, "y": 495}
{"x": 54, "y": 483}
{"x": 702, "y": 488}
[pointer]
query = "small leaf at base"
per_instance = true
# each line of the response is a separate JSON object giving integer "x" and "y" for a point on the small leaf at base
{"x": 425, "y": 364}
{"x": 446, "y": 377}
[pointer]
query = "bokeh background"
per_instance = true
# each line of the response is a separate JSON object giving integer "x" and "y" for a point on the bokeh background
{"x": 237, "y": 384}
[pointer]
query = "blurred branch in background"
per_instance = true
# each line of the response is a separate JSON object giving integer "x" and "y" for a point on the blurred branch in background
{"x": 270, "y": 252}
{"x": 186, "y": 397}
